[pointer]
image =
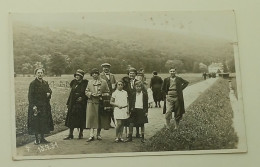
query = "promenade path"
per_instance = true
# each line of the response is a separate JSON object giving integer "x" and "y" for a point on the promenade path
{"x": 58, "y": 146}
{"x": 238, "y": 120}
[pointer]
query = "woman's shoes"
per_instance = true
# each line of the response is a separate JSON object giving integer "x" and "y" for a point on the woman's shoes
{"x": 99, "y": 137}
{"x": 80, "y": 136}
{"x": 68, "y": 138}
{"x": 116, "y": 140}
{"x": 36, "y": 142}
{"x": 121, "y": 140}
{"x": 90, "y": 139}
{"x": 44, "y": 141}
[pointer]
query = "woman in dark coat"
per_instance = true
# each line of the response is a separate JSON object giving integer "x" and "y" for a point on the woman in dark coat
{"x": 39, "y": 111}
{"x": 77, "y": 103}
{"x": 156, "y": 85}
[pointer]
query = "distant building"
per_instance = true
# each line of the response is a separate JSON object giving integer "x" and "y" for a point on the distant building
{"x": 203, "y": 67}
{"x": 216, "y": 68}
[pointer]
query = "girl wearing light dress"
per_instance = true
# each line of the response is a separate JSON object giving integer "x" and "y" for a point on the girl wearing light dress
{"x": 150, "y": 95}
{"x": 119, "y": 100}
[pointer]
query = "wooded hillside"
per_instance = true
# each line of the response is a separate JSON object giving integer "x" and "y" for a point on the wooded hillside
{"x": 61, "y": 50}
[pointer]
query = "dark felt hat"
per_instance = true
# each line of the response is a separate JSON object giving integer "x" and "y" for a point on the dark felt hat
{"x": 94, "y": 70}
{"x": 155, "y": 73}
{"x": 79, "y": 72}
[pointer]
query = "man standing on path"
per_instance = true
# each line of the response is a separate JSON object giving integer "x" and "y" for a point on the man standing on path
{"x": 173, "y": 97}
{"x": 111, "y": 81}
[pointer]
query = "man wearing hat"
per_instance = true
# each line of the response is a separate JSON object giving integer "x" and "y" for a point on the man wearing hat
{"x": 111, "y": 81}
{"x": 109, "y": 77}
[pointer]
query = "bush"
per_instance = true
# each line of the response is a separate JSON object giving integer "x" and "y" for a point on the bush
{"x": 206, "y": 125}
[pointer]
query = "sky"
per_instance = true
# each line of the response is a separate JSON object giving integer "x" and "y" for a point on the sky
{"x": 218, "y": 24}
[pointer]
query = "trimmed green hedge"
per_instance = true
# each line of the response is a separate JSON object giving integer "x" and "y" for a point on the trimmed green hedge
{"x": 206, "y": 125}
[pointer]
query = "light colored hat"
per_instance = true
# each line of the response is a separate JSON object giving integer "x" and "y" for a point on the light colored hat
{"x": 105, "y": 64}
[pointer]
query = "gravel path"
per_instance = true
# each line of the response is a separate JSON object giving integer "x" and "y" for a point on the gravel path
{"x": 60, "y": 147}
{"x": 238, "y": 120}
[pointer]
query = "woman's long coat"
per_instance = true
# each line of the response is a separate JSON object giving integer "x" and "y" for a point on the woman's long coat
{"x": 180, "y": 85}
{"x": 42, "y": 123}
{"x": 156, "y": 85}
{"x": 76, "y": 116}
{"x": 96, "y": 116}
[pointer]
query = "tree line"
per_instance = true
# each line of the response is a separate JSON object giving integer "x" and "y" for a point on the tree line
{"x": 61, "y": 51}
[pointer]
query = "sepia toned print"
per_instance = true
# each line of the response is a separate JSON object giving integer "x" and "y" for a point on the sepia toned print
{"x": 126, "y": 84}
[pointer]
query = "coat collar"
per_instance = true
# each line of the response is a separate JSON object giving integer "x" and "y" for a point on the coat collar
{"x": 96, "y": 82}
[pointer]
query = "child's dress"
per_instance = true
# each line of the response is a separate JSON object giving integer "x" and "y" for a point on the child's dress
{"x": 150, "y": 95}
{"x": 120, "y": 99}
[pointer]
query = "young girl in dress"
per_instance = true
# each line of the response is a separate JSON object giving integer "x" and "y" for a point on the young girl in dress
{"x": 119, "y": 100}
{"x": 150, "y": 95}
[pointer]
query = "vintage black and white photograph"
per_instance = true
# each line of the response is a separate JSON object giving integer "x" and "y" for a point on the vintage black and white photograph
{"x": 101, "y": 84}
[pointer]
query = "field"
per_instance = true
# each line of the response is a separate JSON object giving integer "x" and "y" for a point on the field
{"x": 60, "y": 88}
{"x": 206, "y": 125}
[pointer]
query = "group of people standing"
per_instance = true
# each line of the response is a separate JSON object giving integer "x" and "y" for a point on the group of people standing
{"x": 95, "y": 103}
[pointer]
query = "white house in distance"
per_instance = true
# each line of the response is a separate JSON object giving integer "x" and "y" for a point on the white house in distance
{"x": 215, "y": 67}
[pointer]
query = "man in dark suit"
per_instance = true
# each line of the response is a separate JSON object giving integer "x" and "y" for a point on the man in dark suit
{"x": 173, "y": 97}
{"x": 108, "y": 76}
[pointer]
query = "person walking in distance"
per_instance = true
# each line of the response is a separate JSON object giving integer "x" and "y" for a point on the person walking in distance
{"x": 156, "y": 85}
{"x": 204, "y": 75}
{"x": 172, "y": 88}
{"x": 39, "y": 111}
{"x": 76, "y": 104}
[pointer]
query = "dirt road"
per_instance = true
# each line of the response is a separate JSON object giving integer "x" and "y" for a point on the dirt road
{"x": 58, "y": 146}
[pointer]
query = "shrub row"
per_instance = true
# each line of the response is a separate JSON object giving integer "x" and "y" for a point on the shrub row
{"x": 206, "y": 125}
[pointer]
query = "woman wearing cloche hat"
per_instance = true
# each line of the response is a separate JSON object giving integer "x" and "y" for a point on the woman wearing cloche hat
{"x": 77, "y": 103}
{"x": 96, "y": 119}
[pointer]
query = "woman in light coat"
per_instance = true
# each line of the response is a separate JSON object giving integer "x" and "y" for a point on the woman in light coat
{"x": 96, "y": 118}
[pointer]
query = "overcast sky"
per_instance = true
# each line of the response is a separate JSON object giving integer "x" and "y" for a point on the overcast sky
{"x": 219, "y": 24}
